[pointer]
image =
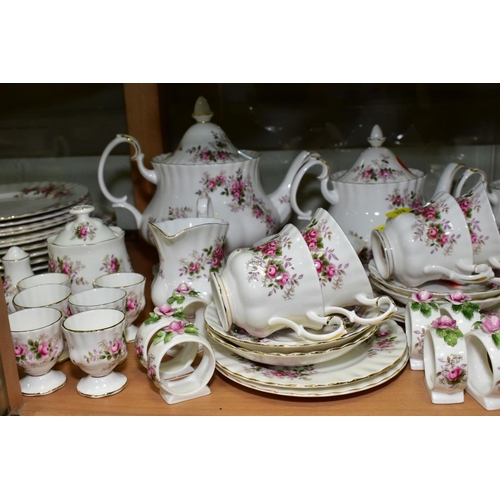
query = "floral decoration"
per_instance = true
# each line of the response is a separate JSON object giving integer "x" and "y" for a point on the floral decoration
{"x": 423, "y": 302}
{"x": 330, "y": 271}
{"x": 42, "y": 350}
{"x": 461, "y": 303}
{"x": 403, "y": 198}
{"x": 107, "y": 350}
{"x": 446, "y": 329}
{"x": 470, "y": 205}
{"x": 491, "y": 325}
{"x": 383, "y": 340}
{"x": 201, "y": 264}
{"x": 453, "y": 371}
{"x": 281, "y": 372}
{"x": 178, "y": 213}
{"x": 431, "y": 228}
{"x": 111, "y": 264}
{"x": 52, "y": 190}
{"x": 134, "y": 304}
{"x": 273, "y": 268}
{"x": 67, "y": 266}
{"x": 84, "y": 231}
{"x": 216, "y": 151}
{"x": 377, "y": 170}
{"x": 238, "y": 187}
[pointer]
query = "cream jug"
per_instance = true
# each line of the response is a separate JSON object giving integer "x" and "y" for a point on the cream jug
{"x": 206, "y": 163}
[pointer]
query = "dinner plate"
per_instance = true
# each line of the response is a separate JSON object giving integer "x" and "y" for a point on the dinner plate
{"x": 33, "y": 198}
{"x": 381, "y": 351}
{"x": 291, "y": 359}
{"x": 286, "y": 340}
{"x": 24, "y": 239}
{"x": 323, "y": 392}
{"x": 440, "y": 289}
{"x": 35, "y": 226}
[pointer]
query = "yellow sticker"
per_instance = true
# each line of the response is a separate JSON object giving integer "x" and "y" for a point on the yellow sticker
{"x": 397, "y": 212}
{"x": 380, "y": 228}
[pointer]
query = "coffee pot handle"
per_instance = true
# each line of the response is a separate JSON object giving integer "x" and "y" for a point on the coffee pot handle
{"x": 139, "y": 157}
{"x": 492, "y": 197}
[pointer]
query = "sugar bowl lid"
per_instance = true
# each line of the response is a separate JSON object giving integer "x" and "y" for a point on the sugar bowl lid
{"x": 376, "y": 164}
{"x": 84, "y": 230}
{"x": 204, "y": 142}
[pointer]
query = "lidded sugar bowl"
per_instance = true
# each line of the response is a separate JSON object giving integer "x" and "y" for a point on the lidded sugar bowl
{"x": 87, "y": 248}
{"x": 377, "y": 185}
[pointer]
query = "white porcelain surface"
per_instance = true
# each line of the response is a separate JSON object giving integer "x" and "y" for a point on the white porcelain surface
{"x": 272, "y": 286}
{"x": 43, "y": 279}
{"x": 16, "y": 267}
{"x": 483, "y": 355}
{"x": 445, "y": 362}
{"x": 207, "y": 164}
{"x": 133, "y": 284}
{"x": 189, "y": 250}
{"x": 98, "y": 298}
{"x": 427, "y": 244}
{"x": 38, "y": 343}
{"x": 96, "y": 343}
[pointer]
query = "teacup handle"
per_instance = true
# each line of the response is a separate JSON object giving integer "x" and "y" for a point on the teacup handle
{"x": 204, "y": 207}
{"x": 363, "y": 299}
{"x": 302, "y": 332}
{"x": 465, "y": 176}
{"x": 477, "y": 273}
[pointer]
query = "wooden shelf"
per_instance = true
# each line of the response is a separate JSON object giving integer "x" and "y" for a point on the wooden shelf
{"x": 404, "y": 395}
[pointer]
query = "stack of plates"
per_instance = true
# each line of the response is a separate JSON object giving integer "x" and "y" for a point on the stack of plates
{"x": 288, "y": 365}
{"x": 484, "y": 294}
{"x": 30, "y": 212}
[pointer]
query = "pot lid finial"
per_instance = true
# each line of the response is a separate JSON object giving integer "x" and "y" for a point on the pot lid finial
{"x": 376, "y": 138}
{"x": 202, "y": 112}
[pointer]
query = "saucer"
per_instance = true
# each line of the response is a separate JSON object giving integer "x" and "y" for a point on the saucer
{"x": 382, "y": 351}
{"x": 323, "y": 392}
{"x": 291, "y": 359}
{"x": 286, "y": 340}
{"x": 477, "y": 291}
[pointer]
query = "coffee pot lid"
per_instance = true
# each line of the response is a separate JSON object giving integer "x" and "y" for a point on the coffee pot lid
{"x": 376, "y": 164}
{"x": 84, "y": 230}
{"x": 204, "y": 142}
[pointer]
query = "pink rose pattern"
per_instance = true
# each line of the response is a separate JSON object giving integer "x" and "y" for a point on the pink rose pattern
{"x": 330, "y": 271}
{"x": 41, "y": 350}
{"x": 179, "y": 213}
{"x": 109, "y": 350}
{"x": 9, "y": 289}
{"x": 383, "y": 340}
{"x": 199, "y": 265}
{"x": 217, "y": 150}
{"x": 453, "y": 372}
{"x": 239, "y": 188}
{"x": 84, "y": 231}
{"x": 471, "y": 206}
{"x": 111, "y": 264}
{"x": 273, "y": 268}
{"x": 279, "y": 372}
{"x": 51, "y": 190}
{"x": 491, "y": 325}
{"x": 430, "y": 228}
{"x": 377, "y": 170}
{"x": 134, "y": 304}
{"x": 67, "y": 266}
{"x": 403, "y": 199}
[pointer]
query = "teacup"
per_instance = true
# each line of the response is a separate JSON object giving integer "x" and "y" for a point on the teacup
{"x": 483, "y": 352}
{"x": 38, "y": 342}
{"x": 426, "y": 244}
{"x": 97, "y": 344}
{"x": 43, "y": 279}
{"x": 163, "y": 368}
{"x": 133, "y": 284}
{"x": 272, "y": 286}
{"x": 342, "y": 276}
{"x": 445, "y": 362}
{"x": 47, "y": 295}
{"x": 478, "y": 212}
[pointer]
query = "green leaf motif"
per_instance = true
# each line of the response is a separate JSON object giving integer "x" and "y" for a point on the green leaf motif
{"x": 449, "y": 335}
{"x": 496, "y": 339}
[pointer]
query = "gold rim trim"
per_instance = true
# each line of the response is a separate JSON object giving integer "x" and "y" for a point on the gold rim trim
{"x": 119, "y": 286}
{"x": 112, "y": 393}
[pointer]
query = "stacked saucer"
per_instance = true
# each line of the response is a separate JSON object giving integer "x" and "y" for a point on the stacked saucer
{"x": 287, "y": 364}
{"x": 30, "y": 212}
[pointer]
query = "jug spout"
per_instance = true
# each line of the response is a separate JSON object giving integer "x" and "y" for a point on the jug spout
{"x": 285, "y": 197}
{"x": 147, "y": 173}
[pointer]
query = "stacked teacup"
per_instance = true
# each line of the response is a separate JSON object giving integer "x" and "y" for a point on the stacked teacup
{"x": 305, "y": 285}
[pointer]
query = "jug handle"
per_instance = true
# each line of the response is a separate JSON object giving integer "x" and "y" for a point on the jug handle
{"x": 138, "y": 156}
{"x": 492, "y": 197}
{"x": 311, "y": 160}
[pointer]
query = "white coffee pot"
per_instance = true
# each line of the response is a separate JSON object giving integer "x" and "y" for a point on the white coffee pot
{"x": 206, "y": 163}
{"x": 378, "y": 183}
